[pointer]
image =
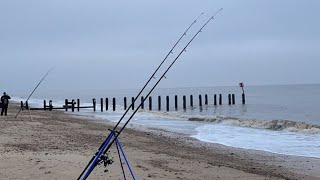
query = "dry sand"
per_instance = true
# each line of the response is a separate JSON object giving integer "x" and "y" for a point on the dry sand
{"x": 55, "y": 145}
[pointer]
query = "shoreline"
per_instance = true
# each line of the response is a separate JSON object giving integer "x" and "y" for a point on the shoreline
{"x": 56, "y": 145}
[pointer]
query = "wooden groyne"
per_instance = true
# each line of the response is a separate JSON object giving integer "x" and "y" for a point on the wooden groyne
{"x": 215, "y": 100}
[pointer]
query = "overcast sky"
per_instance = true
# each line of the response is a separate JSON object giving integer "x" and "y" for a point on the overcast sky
{"x": 96, "y": 44}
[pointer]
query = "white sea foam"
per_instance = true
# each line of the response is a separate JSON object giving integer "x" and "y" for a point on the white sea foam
{"x": 261, "y": 139}
{"x": 278, "y": 125}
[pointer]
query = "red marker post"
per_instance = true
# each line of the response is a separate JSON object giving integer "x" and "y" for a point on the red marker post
{"x": 243, "y": 95}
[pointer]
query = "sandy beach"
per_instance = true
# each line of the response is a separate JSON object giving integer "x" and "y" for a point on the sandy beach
{"x": 56, "y": 145}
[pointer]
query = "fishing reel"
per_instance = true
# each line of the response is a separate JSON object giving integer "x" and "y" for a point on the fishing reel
{"x": 106, "y": 160}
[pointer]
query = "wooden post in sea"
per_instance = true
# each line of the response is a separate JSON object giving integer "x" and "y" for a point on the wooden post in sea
{"x": 78, "y": 105}
{"x": 107, "y": 104}
{"x": 50, "y": 105}
{"x": 243, "y": 99}
{"x": 150, "y": 103}
{"x": 215, "y": 99}
{"x": 66, "y": 104}
{"x": 101, "y": 103}
{"x": 243, "y": 95}
{"x": 184, "y": 102}
{"x": 220, "y": 99}
{"x": 113, "y": 104}
{"x": 200, "y": 100}
{"x": 44, "y": 105}
{"x": 229, "y": 99}
{"x": 72, "y": 105}
{"x": 125, "y": 103}
{"x": 206, "y": 99}
{"x": 94, "y": 104}
{"x": 142, "y": 102}
{"x": 132, "y": 103}
{"x": 27, "y": 105}
{"x": 191, "y": 100}
{"x": 176, "y": 102}
{"x": 159, "y": 103}
{"x": 167, "y": 102}
{"x": 21, "y": 105}
{"x": 233, "y": 99}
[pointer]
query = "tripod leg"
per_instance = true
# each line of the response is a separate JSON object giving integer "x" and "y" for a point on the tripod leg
{"x": 124, "y": 156}
{"x": 124, "y": 175}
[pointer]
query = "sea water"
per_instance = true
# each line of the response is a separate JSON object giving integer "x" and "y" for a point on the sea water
{"x": 281, "y": 119}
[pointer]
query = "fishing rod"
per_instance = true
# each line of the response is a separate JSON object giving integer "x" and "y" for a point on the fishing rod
{"x": 34, "y": 90}
{"x": 106, "y": 145}
{"x": 163, "y": 75}
{"x": 151, "y": 77}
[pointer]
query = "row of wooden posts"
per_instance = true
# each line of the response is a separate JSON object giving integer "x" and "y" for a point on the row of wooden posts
{"x": 217, "y": 100}
{"x": 231, "y": 100}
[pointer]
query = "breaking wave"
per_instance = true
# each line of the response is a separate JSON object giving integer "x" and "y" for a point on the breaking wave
{"x": 277, "y": 125}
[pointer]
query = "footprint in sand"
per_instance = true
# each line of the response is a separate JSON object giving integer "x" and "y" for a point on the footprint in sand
{"x": 141, "y": 167}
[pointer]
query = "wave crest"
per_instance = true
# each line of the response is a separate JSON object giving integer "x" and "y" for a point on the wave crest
{"x": 277, "y": 125}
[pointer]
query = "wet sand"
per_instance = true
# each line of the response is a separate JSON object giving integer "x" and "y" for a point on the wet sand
{"x": 55, "y": 145}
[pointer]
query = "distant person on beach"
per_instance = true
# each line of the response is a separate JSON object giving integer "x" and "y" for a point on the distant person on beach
{"x": 5, "y": 102}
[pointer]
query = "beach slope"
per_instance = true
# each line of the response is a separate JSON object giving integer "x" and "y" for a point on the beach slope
{"x": 55, "y": 145}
